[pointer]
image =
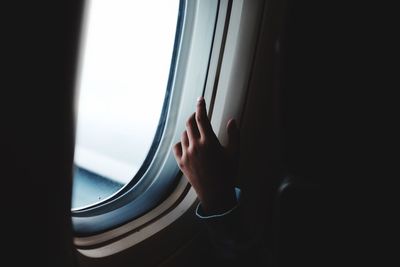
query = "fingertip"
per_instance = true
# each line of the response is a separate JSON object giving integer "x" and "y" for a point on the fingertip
{"x": 176, "y": 146}
{"x": 177, "y": 150}
{"x": 201, "y": 102}
{"x": 185, "y": 139}
{"x": 232, "y": 125}
{"x": 201, "y": 112}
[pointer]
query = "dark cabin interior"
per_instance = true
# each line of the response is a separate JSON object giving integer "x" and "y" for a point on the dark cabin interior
{"x": 335, "y": 123}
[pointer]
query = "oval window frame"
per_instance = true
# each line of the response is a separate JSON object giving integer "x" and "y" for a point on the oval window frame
{"x": 160, "y": 175}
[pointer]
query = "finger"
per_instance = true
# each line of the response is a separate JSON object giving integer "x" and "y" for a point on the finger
{"x": 233, "y": 137}
{"x": 203, "y": 123}
{"x": 192, "y": 130}
{"x": 184, "y": 140}
{"x": 177, "y": 149}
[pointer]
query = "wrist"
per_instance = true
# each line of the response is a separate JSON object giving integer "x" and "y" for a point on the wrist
{"x": 219, "y": 202}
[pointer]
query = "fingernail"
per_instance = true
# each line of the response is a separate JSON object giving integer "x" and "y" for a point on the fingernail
{"x": 200, "y": 98}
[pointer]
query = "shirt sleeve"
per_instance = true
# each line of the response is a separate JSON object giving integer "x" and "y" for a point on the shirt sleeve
{"x": 201, "y": 215}
{"x": 231, "y": 242}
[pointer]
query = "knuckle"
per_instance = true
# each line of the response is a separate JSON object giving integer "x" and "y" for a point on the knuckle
{"x": 200, "y": 116}
{"x": 189, "y": 151}
{"x": 190, "y": 121}
{"x": 184, "y": 136}
{"x": 203, "y": 142}
{"x": 194, "y": 149}
{"x": 183, "y": 161}
{"x": 181, "y": 165}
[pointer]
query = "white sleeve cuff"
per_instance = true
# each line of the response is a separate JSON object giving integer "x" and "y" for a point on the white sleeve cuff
{"x": 200, "y": 212}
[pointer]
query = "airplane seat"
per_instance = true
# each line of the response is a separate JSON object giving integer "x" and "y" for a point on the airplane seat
{"x": 300, "y": 235}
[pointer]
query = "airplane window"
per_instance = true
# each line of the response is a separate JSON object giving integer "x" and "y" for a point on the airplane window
{"x": 125, "y": 61}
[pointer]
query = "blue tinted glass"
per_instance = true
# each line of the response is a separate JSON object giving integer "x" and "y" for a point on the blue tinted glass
{"x": 124, "y": 66}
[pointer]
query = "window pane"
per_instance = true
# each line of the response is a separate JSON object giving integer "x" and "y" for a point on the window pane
{"x": 125, "y": 60}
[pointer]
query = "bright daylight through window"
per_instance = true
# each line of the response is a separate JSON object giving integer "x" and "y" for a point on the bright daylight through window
{"x": 125, "y": 58}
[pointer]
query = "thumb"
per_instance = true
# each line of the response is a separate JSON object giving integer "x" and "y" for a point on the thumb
{"x": 233, "y": 138}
